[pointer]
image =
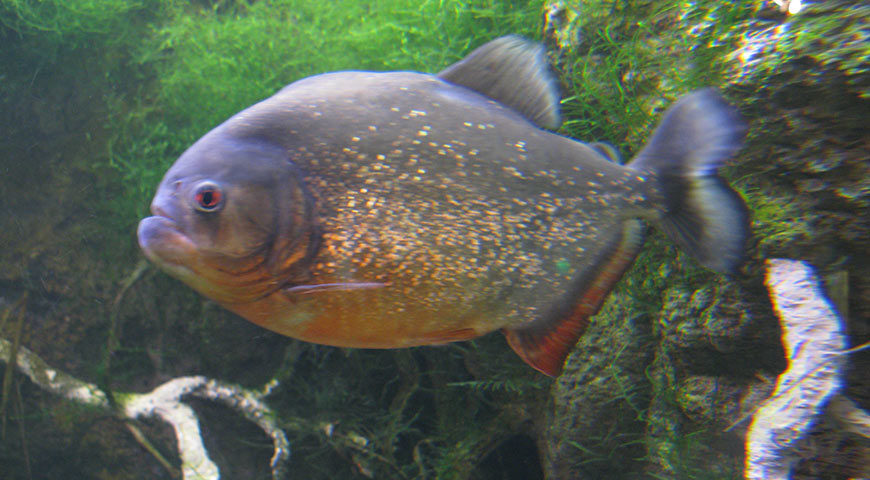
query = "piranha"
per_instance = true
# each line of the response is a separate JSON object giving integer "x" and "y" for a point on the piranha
{"x": 395, "y": 209}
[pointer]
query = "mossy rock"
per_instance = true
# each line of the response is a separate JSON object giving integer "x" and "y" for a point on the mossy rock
{"x": 594, "y": 421}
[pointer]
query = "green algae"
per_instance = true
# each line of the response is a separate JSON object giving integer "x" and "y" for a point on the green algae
{"x": 74, "y": 23}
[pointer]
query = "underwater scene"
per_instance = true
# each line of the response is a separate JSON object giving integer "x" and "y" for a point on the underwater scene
{"x": 434, "y": 239}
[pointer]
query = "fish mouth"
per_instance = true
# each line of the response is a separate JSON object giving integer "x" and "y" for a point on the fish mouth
{"x": 164, "y": 244}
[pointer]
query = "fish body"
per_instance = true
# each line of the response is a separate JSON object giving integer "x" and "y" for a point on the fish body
{"x": 395, "y": 209}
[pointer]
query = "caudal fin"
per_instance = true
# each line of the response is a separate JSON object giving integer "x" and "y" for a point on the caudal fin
{"x": 703, "y": 215}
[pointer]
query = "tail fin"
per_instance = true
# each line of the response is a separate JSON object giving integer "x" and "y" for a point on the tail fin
{"x": 703, "y": 215}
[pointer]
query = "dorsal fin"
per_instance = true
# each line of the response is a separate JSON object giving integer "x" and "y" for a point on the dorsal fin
{"x": 514, "y": 72}
{"x": 608, "y": 150}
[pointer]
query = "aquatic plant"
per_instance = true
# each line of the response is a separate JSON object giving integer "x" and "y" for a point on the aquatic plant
{"x": 75, "y": 22}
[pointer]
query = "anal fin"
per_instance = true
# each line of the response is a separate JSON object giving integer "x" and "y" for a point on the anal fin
{"x": 449, "y": 336}
{"x": 545, "y": 343}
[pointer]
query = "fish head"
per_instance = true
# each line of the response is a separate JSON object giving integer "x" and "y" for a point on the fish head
{"x": 229, "y": 219}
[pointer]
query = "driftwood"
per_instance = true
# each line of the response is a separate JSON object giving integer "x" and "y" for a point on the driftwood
{"x": 165, "y": 402}
{"x": 810, "y": 387}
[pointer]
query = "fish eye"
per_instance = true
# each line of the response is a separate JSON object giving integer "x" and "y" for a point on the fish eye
{"x": 208, "y": 197}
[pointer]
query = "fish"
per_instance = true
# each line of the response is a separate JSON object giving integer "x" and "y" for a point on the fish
{"x": 397, "y": 209}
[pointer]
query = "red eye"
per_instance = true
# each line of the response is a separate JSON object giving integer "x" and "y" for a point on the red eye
{"x": 208, "y": 197}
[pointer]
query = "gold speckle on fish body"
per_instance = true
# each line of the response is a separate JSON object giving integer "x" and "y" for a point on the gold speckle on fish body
{"x": 513, "y": 171}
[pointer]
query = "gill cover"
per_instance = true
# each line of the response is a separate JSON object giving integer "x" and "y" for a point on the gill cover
{"x": 247, "y": 212}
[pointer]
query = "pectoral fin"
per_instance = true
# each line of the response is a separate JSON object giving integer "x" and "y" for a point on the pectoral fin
{"x": 332, "y": 287}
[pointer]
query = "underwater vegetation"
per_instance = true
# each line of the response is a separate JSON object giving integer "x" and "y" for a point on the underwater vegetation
{"x": 99, "y": 97}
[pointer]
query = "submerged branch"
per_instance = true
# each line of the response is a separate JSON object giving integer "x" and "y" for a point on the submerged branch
{"x": 55, "y": 381}
{"x": 815, "y": 346}
{"x": 11, "y": 356}
{"x": 250, "y": 404}
{"x": 166, "y": 403}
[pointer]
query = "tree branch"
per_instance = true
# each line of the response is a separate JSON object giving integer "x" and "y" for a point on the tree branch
{"x": 165, "y": 402}
{"x": 815, "y": 346}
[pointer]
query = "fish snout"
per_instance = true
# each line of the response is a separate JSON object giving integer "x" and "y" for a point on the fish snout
{"x": 157, "y": 210}
{"x": 167, "y": 201}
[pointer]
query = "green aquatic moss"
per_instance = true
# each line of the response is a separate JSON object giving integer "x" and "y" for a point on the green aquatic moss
{"x": 74, "y": 20}
{"x": 212, "y": 62}
{"x": 778, "y": 222}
